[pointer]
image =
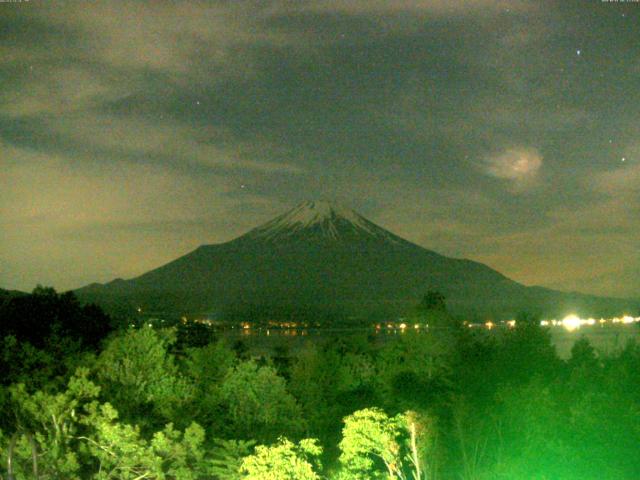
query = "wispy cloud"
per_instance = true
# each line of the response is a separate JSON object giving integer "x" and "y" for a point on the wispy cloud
{"x": 53, "y": 215}
{"x": 168, "y": 141}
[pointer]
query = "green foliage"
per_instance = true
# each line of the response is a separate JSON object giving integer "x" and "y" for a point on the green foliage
{"x": 206, "y": 368}
{"x": 469, "y": 405}
{"x": 524, "y": 352}
{"x": 257, "y": 403}
{"x": 533, "y": 434}
{"x": 46, "y": 426}
{"x": 375, "y": 445}
{"x": 139, "y": 377}
{"x": 45, "y": 336}
{"x": 70, "y": 435}
{"x": 284, "y": 461}
{"x": 331, "y": 382}
{"x": 122, "y": 453}
{"x": 370, "y": 439}
{"x": 414, "y": 372}
{"x": 227, "y": 456}
{"x": 583, "y": 355}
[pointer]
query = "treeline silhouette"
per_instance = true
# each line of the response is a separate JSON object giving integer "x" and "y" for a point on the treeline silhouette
{"x": 86, "y": 397}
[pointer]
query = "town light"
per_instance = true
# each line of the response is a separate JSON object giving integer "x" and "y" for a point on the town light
{"x": 571, "y": 322}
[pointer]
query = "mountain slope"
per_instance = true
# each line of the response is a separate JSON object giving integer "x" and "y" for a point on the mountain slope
{"x": 326, "y": 261}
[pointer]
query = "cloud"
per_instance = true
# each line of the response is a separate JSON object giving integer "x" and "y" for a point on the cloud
{"x": 160, "y": 36}
{"x": 623, "y": 181}
{"x": 168, "y": 140}
{"x": 58, "y": 90}
{"x": 519, "y": 165}
{"x": 430, "y": 7}
{"x": 69, "y": 226}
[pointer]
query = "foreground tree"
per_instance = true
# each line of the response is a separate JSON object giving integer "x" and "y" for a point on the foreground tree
{"x": 376, "y": 446}
{"x": 71, "y": 435}
{"x": 140, "y": 377}
{"x": 255, "y": 404}
{"x": 227, "y": 456}
{"x": 284, "y": 461}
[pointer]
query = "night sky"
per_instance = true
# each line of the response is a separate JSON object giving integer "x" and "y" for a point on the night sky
{"x": 507, "y": 132}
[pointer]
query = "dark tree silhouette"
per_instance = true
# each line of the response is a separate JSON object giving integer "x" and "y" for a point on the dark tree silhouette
{"x": 37, "y": 317}
{"x": 433, "y": 301}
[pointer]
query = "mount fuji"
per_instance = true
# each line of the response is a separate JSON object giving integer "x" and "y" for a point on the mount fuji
{"x": 326, "y": 262}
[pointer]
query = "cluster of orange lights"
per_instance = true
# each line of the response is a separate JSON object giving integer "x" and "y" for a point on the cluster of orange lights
{"x": 569, "y": 323}
{"x": 400, "y": 326}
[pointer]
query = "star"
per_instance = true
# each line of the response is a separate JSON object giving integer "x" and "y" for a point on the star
{"x": 578, "y": 52}
{"x": 197, "y": 102}
{"x": 624, "y": 158}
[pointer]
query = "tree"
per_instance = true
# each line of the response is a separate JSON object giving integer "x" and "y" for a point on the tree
{"x": 433, "y": 300}
{"x": 43, "y": 437}
{"x": 284, "y": 461}
{"x": 432, "y": 309}
{"x": 524, "y": 352}
{"x": 583, "y": 355}
{"x": 139, "y": 375}
{"x": 193, "y": 334}
{"x": 376, "y": 446}
{"x": 45, "y": 335}
{"x": 71, "y": 435}
{"x": 45, "y": 313}
{"x": 257, "y": 404}
{"x": 371, "y": 438}
{"x": 206, "y": 368}
{"x": 226, "y": 457}
{"x": 414, "y": 372}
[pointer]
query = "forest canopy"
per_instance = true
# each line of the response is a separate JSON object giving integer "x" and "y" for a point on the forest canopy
{"x": 84, "y": 398}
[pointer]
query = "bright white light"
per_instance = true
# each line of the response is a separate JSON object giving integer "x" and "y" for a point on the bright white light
{"x": 571, "y": 322}
{"x": 627, "y": 319}
{"x": 544, "y": 323}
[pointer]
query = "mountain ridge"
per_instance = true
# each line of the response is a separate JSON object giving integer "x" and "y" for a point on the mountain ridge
{"x": 325, "y": 258}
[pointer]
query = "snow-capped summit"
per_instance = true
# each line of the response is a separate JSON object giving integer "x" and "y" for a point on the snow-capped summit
{"x": 320, "y": 217}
